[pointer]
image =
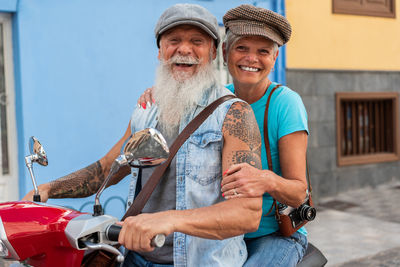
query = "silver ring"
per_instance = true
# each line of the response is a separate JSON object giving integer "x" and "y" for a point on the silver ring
{"x": 234, "y": 192}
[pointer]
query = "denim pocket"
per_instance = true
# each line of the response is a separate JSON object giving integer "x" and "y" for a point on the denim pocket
{"x": 204, "y": 157}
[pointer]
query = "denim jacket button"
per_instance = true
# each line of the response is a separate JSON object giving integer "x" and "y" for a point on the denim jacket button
{"x": 134, "y": 174}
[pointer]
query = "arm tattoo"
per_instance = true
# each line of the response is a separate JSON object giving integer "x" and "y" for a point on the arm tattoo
{"x": 241, "y": 124}
{"x": 82, "y": 183}
{"x": 249, "y": 157}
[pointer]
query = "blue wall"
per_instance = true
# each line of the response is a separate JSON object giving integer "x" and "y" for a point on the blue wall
{"x": 80, "y": 66}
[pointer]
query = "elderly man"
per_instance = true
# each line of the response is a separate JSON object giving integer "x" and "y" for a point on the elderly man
{"x": 187, "y": 206}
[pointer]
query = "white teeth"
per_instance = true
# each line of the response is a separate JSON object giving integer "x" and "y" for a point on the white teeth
{"x": 249, "y": 68}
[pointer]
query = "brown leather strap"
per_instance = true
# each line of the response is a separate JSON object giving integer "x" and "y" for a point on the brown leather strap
{"x": 266, "y": 140}
{"x": 151, "y": 184}
{"x": 308, "y": 177}
{"x": 270, "y": 209}
{"x": 268, "y": 150}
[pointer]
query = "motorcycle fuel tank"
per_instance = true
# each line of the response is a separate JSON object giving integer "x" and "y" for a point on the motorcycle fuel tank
{"x": 36, "y": 232}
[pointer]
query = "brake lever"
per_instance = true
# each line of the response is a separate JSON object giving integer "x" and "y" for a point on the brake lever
{"x": 111, "y": 249}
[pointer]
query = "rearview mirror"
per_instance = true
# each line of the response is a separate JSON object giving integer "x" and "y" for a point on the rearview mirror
{"x": 146, "y": 148}
{"x": 37, "y": 152}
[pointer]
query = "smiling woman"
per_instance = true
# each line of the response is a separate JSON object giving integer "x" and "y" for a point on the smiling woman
{"x": 250, "y": 50}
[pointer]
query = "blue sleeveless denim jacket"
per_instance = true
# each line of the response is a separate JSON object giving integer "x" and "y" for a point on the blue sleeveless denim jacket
{"x": 198, "y": 182}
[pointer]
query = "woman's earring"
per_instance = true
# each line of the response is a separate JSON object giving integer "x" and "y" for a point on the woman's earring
{"x": 272, "y": 69}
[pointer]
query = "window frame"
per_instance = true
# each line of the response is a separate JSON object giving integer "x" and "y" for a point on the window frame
{"x": 361, "y": 8}
{"x": 223, "y": 72}
{"x": 9, "y": 182}
{"x": 345, "y": 160}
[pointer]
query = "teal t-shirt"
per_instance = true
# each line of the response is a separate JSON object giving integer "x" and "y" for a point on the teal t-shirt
{"x": 286, "y": 115}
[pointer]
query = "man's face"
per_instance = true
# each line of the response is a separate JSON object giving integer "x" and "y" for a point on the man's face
{"x": 193, "y": 47}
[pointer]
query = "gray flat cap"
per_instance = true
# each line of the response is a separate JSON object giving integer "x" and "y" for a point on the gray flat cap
{"x": 246, "y": 20}
{"x": 192, "y": 14}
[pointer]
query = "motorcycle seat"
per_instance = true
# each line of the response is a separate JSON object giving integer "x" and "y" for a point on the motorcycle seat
{"x": 312, "y": 258}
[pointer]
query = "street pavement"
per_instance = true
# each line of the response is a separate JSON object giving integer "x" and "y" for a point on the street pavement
{"x": 356, "y": 228}
{"x": 359, "y": 228}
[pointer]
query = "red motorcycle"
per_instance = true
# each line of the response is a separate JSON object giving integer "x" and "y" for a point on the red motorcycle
{"x": 41, "y": 234}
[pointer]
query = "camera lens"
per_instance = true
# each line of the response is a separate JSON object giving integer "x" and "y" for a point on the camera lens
{"x": 307, "y": 213}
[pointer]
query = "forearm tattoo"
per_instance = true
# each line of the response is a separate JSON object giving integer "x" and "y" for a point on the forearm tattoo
{"x": 241, "y": 124}
{"x": 82, "y": 183}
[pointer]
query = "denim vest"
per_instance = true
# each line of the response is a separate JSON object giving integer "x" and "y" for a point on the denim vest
{"x": 198, "y": 182}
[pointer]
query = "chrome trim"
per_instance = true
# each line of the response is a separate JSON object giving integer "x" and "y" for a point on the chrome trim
{"x": 3, "y": 237}
{"x": 86, "y": 224}
{"x": 3, "y": 250}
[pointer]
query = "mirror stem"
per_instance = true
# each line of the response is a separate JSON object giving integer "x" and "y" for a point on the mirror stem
{"x": 97, "y": 209}
{"x": 28, "y": 162}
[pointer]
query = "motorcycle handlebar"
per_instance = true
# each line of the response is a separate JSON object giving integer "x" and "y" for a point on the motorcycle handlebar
{"x": 112, "y": 234}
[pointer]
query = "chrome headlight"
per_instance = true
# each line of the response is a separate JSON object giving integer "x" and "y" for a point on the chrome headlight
{"x": 3, "y": 250}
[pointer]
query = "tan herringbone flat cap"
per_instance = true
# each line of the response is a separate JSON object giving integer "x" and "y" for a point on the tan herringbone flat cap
{"x": 251, "y": 20}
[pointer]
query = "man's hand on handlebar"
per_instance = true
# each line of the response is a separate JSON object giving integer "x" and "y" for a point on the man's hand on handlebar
{"x": 138, "y": 231}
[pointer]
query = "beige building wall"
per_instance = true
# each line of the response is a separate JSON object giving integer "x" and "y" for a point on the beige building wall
{"x": 323, "y": 40}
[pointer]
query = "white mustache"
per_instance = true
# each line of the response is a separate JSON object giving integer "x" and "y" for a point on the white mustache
{"x": 178, "y": 59}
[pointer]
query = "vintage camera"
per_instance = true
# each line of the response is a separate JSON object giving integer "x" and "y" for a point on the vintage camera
{"x": 298, "y": 215}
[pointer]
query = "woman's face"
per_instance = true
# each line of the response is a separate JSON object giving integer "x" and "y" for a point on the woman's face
{"x": 251, "y": 59}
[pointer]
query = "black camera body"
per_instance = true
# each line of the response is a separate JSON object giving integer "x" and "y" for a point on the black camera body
{"x": 305, "y": 212}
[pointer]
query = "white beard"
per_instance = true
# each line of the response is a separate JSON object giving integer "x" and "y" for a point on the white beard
{"x": 177, "y": 96}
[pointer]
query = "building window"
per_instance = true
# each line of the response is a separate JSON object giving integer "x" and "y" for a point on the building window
{"x": 367, "y": 127}
{"x": 223, "y": 72}
{"x": 8, "y": 133}
{"x": 5, "y": 166}
{"x": 377, "y": 8}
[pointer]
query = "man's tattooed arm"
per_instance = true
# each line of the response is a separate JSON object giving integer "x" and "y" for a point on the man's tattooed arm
{"x": 240, "y": 125}
{"x": 81, "y": 183}
{"x": 84, "y": 182}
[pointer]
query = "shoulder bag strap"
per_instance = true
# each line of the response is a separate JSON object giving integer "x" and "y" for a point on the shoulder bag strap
{"x": 151, "y": 184}
{"x": 268, "y": 150}
{"x": 266, "y": 140}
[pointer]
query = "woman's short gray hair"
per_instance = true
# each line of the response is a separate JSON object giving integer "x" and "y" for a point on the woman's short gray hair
{"x": 231, "y": 39}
